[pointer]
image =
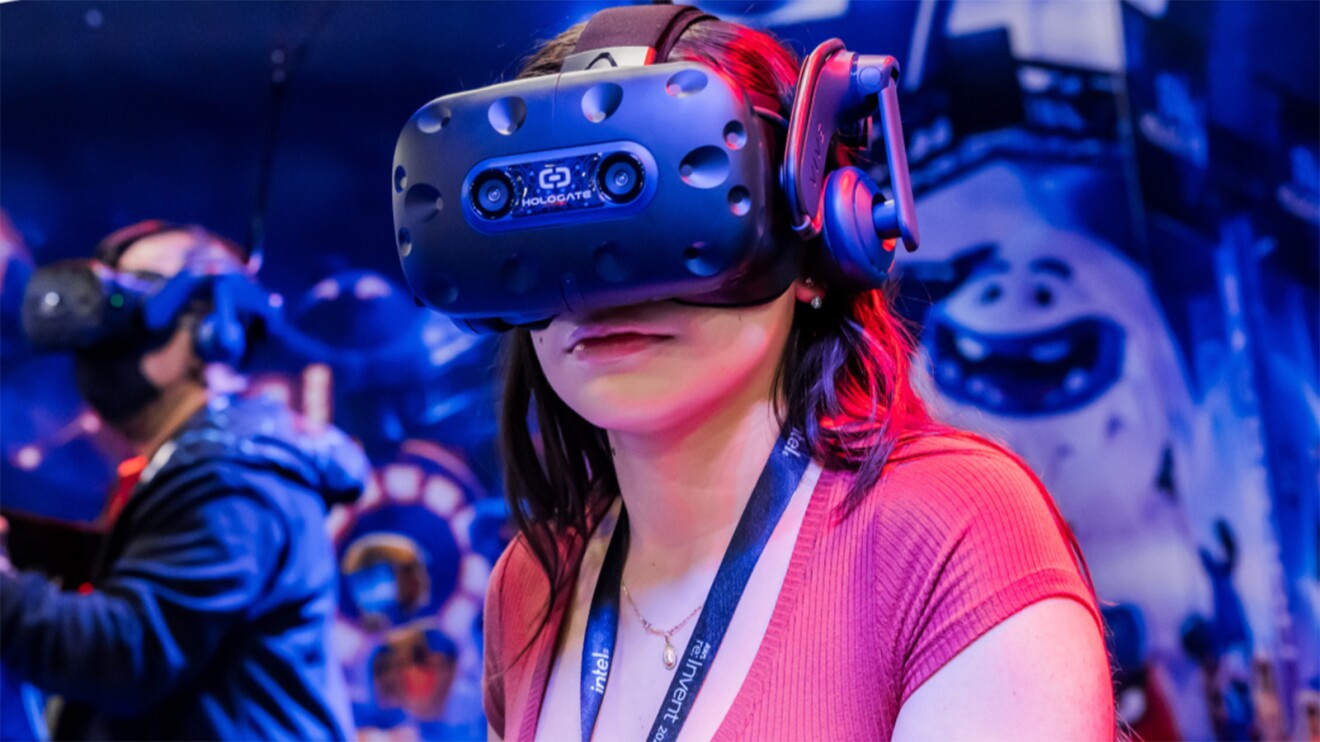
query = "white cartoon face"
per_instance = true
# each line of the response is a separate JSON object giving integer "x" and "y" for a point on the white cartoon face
{"x": 1022, "y": 338}
{"x": 1054, "y": 344}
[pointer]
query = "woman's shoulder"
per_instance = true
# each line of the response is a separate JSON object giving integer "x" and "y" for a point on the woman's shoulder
{"x": 518, "y": 594}
{"x": 518, "y": 584}
{"x": 515, "y": 564}
{"x": 951, "y": 485}
{"x": 515, "y": 612}
{"x": 962, "y": 535}
{"x": 955, "y": 468}
{"x": 951, "y": 447}
{"x": 517, "y": 589}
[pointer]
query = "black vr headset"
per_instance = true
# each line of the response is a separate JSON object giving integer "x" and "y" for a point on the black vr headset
{"x": 625, "y": 179}
{"x": 76, "y": 305}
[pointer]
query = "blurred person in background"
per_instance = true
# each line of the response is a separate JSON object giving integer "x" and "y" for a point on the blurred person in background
{"x": 210, "y": 610}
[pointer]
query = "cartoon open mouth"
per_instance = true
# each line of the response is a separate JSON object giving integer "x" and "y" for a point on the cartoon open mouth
{"x": 1049, "y": 372}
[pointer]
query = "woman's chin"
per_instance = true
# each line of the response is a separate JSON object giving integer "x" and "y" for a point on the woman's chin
{"x": 634, "y": 406}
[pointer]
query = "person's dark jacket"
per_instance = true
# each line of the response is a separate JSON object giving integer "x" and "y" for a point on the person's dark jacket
{"x": 212, "y": 609}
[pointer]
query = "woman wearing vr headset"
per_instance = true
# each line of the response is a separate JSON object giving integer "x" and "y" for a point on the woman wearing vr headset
{"x": 882, "y": 576}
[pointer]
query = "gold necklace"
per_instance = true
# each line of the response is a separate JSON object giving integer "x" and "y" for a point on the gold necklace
{"x": 670, "y": 656}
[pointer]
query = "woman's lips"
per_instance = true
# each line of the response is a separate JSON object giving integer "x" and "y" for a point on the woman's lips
{"x": 614, "y": 345}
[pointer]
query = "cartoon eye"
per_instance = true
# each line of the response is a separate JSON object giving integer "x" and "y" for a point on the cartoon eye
{"x": 1043, "y": 296}
{"x": 991, "y": 293}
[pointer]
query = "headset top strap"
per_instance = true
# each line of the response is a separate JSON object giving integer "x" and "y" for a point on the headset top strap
{"x": 112, "y": 247}
{"x": 632, "y": 36}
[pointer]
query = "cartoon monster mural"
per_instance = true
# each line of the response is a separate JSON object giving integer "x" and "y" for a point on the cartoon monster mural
{"x": 1055, "y": 344}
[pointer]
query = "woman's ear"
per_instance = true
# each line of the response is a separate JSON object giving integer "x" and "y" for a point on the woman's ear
{"x": 807, "y": 291}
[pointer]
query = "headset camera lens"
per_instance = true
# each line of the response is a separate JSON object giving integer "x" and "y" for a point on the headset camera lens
{"x": 492, "y": 194}
{"x": 620, "y": 177}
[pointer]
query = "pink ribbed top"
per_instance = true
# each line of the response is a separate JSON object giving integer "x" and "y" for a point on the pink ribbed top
{"x": 956, "y": 538}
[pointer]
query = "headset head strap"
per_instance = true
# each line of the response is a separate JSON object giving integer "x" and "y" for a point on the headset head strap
{"x": 112, "y": 248}
{"x": 631, "y": 36}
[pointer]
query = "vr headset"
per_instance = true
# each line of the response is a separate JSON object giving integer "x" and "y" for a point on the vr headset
{"x": 624, "y": 179}
{"x": 75, "y": 305}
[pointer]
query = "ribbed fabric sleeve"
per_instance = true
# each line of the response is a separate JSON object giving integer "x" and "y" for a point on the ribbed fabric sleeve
{"x": 492, "y": 675}
{"x": 955, "y": 539}
{"x": 516, "y": 597}
{"x": 974, "y": 542}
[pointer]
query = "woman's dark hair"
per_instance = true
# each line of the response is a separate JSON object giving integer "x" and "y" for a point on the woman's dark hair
{"x": 843, "y": 379}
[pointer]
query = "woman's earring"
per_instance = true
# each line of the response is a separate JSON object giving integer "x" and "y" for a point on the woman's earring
{"x": 816, "y": 300}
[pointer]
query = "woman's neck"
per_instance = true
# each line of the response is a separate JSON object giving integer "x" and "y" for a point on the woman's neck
{"x": 685, "y": 487}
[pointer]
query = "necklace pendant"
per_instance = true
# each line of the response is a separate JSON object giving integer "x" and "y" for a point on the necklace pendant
{"x": 670, "y": 656}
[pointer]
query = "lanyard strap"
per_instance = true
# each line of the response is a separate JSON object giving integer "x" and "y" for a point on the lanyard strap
{"x": 775, "y": 487}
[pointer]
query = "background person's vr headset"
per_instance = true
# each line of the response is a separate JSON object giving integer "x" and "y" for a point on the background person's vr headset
{"x": 82, "y": 305}
{"x": 621, "y": 181}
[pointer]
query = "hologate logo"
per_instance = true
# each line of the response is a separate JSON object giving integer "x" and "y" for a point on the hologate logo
{"x": 554, "y": 176}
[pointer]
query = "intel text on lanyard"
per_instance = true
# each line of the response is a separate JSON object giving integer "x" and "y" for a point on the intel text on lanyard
{"x": 775, "y": 487}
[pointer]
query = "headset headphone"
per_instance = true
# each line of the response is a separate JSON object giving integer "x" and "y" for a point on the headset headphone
{"x": 79, "y": 303}
{"x": 627, "y": 178}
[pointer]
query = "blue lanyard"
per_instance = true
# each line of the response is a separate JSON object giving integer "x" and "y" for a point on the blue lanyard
{"x": 775, "y": 487}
